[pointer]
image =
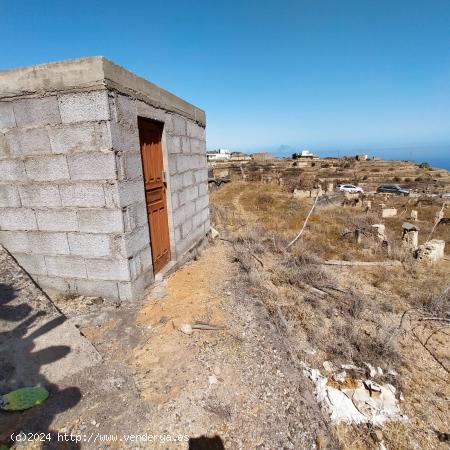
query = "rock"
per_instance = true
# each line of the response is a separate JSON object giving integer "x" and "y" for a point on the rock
{"x": 185, "y": 328}
{"x": 340, "y": 377}
{"x": 328, "y": 366}
{"x": 380, "y": 231}
{"x": 388, "y": 212}
{"x": 94, "y": 300}
{"x": 300, "y": 193}
{"x": 431, "y": 251}
{"x": 212, "y": 379}
{"x": 371, "y": 370}
{"x": 413, "y": 216}
{"x": 376, "y": 435}
{"x": 213, "y": 233}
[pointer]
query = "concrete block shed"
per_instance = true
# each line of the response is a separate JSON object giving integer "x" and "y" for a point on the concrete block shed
{"x": 103, "y": 177}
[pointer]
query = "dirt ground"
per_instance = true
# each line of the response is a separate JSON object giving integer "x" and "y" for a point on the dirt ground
{"x": 230, "y": 387}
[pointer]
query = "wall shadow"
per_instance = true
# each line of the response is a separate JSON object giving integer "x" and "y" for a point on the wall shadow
{"x": 21, "y": 364}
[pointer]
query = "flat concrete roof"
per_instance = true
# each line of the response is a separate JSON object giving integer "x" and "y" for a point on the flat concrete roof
{"x": 91, "y": 73}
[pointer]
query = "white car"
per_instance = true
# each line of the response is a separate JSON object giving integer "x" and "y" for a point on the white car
{"x": 350, "y": 188}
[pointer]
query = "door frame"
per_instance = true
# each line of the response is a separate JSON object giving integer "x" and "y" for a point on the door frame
{"x": 165, "y": 158}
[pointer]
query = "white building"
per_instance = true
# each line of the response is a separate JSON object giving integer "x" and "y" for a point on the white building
{"x": 221, "y": 154}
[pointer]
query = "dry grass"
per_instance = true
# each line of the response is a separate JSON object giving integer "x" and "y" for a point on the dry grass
{"x": 344, "y": 314}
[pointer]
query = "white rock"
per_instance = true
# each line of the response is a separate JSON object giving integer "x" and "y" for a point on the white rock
{"x": 185, "y": 328}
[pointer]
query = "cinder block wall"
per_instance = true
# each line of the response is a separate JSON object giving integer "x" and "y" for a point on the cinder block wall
{"x": 72, "y": 205}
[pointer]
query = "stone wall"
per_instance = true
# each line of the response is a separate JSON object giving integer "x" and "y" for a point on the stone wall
{"x": 72, "y": 205}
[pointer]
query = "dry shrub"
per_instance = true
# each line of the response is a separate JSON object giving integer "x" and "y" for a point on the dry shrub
{"x": 351, "y": 343}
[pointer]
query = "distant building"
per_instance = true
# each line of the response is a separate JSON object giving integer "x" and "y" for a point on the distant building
{"x": 262, "y": 156}
{"x": 362, "y": 157}
{"x": 221, "y": 154}
{"x": 304, "y": 154}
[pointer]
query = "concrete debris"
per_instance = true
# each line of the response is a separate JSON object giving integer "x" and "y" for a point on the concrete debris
{"x": 356, "y": 401}
{"x": 413, "y": 216}
{"x": 388, "y": 212}
{"x": 431, "y": 251}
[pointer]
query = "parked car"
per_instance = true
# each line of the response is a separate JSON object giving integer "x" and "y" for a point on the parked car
{"x": 350, "y": 188}
{"x": 393, "y": 189}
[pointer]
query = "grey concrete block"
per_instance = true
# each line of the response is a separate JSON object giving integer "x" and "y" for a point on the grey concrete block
{"x": 185, "y": 144}
{"x": 201, "y": 176}
{"x": 198, "y": 147}
{"x": 129, "y": 165}
{"x": 50, "y": 285}
{"x": 141, "y": 214}
{"x": 186, "y": 227}
{"x": 89, "y": 245}
{"x": 100, "y": 221}
{"x": 173, "y": 144}
{"x": 33, "y": 264}
{"x": 202, "y": 189}
{"x": 66, "y": 266}
{"x": 57, "y": 220}
{"x": 15, "y": 241}
{"x": 37, "y": 111}
{"x": 92, "y": 166}
{"x": 145, "y": 255}
{"x": 43, "y": 243}
{"x": 111, "y": 191}
{"x": 134, "y": 291}
{"x": 40, "y": 195}
{"x": 195, "y": 131}
{"x": 188, "y": 179}
{"x": 103, "y": 269}
{"x": 172, "y": 164}
{"x": 9, "y": 196}
{"x": 125, "y": 110}
{"x": 98, "y": 288}
{"x": 124, "y": 138}
{"x": 84, "y": 106}
{"x": 7, "y": 119}
{"x": 201, "y": 203}
{"x": 188, "y": 194}
{"x": 12, "y": 170}
{"x": 28, "y": 142}
{"x": 135, "y": 241}
{"x": 85, "y": 195}
{"x": 175, "y": 201}
{"x": 47, "y": 168}
{"x": 183, "y": 163}
{"x": 200, "y": 218}
{"x": 179, "y": 215}
{"x": 80, "y": 137}
{"x": 176, "y": 182}
{"x": 131, "y": 192}
{"x": 17, "y": 219}
{"x": 176, "y": 125}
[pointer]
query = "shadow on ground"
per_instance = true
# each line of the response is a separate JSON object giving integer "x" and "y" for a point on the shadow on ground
{"x": 20, "y": 366}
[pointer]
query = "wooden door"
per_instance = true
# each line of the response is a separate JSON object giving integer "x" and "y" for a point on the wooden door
{"x": 150, "y": 135}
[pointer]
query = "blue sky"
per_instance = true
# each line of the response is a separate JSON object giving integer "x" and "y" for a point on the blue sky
{"x": 319, "y": 74}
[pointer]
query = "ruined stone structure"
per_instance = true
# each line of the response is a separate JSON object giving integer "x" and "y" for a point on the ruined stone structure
{"x": 74, "y": 208}
{"x": 410, "y": 236}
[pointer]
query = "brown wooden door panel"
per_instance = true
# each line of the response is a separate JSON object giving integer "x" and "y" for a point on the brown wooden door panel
{"x": 150, "y": 134}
